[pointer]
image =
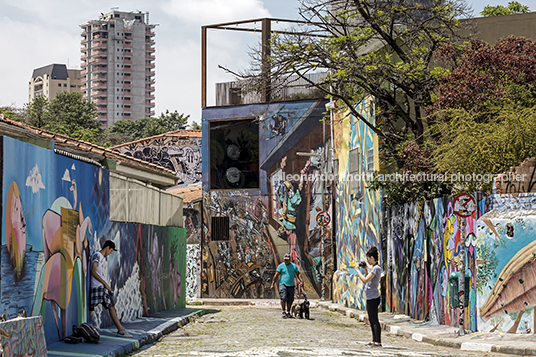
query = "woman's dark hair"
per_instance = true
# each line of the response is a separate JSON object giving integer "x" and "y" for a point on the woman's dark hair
{"x": 373, "y": 252}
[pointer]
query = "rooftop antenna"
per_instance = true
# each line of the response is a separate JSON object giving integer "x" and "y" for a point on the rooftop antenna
{"x": 114, "y": 8}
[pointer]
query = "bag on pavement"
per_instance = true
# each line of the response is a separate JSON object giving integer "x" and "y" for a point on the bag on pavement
{"x": 87, "y": 332}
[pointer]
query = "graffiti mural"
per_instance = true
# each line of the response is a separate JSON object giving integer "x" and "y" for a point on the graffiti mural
{"x": 357, "y": 208}
{"x": 275, "y": 217}
{"x": 179, "y": 151}
{"x": 505, "y": 263}
{"x": 423, "y": 248}
{"x": 23, "y": 337}
{"x": 193, "y": 270}
{"x": 57, "y": 209}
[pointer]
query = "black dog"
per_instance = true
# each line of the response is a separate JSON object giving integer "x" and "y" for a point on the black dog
{"x": 304, "y": 310}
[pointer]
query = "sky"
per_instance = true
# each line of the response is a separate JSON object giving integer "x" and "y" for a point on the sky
{"x": 36, "y": 33}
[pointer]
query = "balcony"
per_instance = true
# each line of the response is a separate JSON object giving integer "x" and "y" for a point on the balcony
{"x": 99, "y": 84}
{"x": 83, "y": 48}
{"x": 98, "y": 60}
{"x": 149, "y": 42}
{"x": 128, "y": 69}
{"x": 149, "y": 80}
{"x": 149, "y": 72}
{"x": 99, "y": 76}
{"x": 99, "y": 69}
{"x": 127, "y": 85}
{"x": 149, "y": 88}
{"x": 127, "y": 61}
{"x": 149, "y": 104}
{"x": 127, "y": 101}
{"x": 150, "y": 65}
{"x": 83, "y": 72}
{"x": 83, "y": 57}
{"x": 83, "y": 87}
{"x": 99, "y": 53}
{"x": 128, "y": 109}
{"x": 83, "y": 33}
{"x": 97, "y": 93}
{"x": 98, "y": 28}
{"x": 149, "y": 48}
{"x": 128, "y": 45}
{"x": 151, "y": 57}
{"x": 101, "y": 109}
{"x": 84, "y": 40}
{"x": 149, "y": 96}
{"x": 128, "y": 37}
{"x": 102, "y": 116}
{"x": 83, "y": 64}
{"x": 149, "y": 33}
{"x": 99, "y": 44}
{"x": 100, "y": 36}
{"x": 101, "y": 101}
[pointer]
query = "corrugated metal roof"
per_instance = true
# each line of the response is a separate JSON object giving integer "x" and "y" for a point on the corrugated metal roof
{"x": 182, "y": 133}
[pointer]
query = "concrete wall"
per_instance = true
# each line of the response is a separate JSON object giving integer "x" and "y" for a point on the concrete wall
{"x": 55, "y": 215}
{"x": 357, "y": 208}
{"x": 277, "y": 217}
{"x": 23, "y": 337}
{"x": 491, "y": 29}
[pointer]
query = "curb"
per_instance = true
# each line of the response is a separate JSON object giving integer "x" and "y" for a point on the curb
{"x": 169, "y": 326}
{"x": 399, "y": 331}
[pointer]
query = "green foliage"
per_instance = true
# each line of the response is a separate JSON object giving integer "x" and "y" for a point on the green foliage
{"x": 195, "y": 126}
{"x": 36, "y": 110}
{"x": 147, "y": 127}
{"x": 466, "y": 146}
{"x": 70, "y": 111}
{"x": 10, "y": 113}
{"x": 513, "y": 7}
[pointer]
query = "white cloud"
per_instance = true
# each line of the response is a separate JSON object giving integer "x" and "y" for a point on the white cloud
{"x": 34, "y": 180}
{"x": 66, "y": 176}
{"x": 206, "y": 12}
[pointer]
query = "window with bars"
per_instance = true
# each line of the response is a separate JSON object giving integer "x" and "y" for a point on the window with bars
{"x": 220, "y": 228}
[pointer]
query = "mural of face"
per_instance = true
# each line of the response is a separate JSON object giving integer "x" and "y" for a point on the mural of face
{"x": 15, "y": 228}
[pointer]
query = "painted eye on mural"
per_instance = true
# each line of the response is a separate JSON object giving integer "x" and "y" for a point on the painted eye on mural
{"x": 233, "y": 152}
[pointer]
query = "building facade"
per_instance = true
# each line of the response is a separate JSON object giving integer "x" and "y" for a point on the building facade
{"x": 49, "y": 80}
{"x": 118, "y": 67}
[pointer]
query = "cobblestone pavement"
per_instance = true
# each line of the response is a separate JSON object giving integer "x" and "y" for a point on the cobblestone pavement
{"x": 261, "y": 331}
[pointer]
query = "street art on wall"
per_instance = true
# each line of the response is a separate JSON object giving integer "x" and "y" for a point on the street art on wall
{"x": 423, "y": 248}
{"x": 181, "y": 154}
{"x": 357, "y": 208}
{"x": 280, "y": 215}
{"x": 193, "y": 270}
{"x": 60, "y": 208}
{"x": 23, "y": 337}
{"x": 505, "y": 259}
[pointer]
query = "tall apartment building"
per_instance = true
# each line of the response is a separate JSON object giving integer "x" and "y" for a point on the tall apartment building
{"x": 52, "y": 79}
{"x": 118, "y": 67}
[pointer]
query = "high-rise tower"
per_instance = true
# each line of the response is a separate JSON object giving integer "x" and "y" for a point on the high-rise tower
{"x": 118, "y": 67}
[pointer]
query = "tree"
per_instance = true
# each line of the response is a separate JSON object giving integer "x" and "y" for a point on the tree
{"x": 195, "y": 126}
{"x": 35, "y": 111}
{"x": 487, "y": 77}
{"x": 513, "y": 7}
{"x": 379, "y": 49}
{"x": 147, "y": 127}
{"x": 12, "y": 113}
{"x": 69, "y": 112}
{"x": 479, "y": 149}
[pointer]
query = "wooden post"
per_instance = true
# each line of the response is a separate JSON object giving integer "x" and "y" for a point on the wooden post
{"x": 265, "y": 72}
{"x": 203, "y": 67}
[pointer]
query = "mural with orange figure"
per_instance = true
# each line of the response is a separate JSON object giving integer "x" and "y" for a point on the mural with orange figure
{"x": 15, "y": 229}
{"x": 64, "y": 273}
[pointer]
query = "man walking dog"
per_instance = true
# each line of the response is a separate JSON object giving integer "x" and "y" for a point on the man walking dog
{"x": 286, "y": 273}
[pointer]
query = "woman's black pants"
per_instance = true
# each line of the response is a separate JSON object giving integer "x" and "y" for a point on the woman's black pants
{"x": 372, "y": 310}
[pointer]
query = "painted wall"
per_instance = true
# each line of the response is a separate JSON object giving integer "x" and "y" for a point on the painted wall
{"x": 55, "y": 215}
{"x": 357, "y": 208}
{"x": 423, "y": 248}
{"x": 277, "y": 217}
{"x": 23, "y": 337}
{"x": 182, "y": 155}
{"x": 193, "y": 270}
{"x": 505, "y": 265}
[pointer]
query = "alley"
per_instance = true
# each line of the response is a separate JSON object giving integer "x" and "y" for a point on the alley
{"x": 261, "y": 331}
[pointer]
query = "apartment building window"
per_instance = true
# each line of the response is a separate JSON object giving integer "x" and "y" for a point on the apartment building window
{"x": 59, "y": 84}
{"x": 220, "y": 228}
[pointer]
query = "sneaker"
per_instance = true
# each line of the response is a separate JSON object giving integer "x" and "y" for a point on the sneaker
{"x": 284, "y": 314}
{"x": 289, "y": 315}
{"x": 123, "y": 333}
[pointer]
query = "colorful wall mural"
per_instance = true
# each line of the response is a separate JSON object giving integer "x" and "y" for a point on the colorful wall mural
{"x": 193, "y": 270}
{"x": 55, "y": 212}
{"x": 423, "y": 249}
{"x": 357, "y": 209}
{"x": 175, "y": 151}
{"x": 505, "y": 265}
{"x": 23, "y": 337}
{"x": 279, "y": 214}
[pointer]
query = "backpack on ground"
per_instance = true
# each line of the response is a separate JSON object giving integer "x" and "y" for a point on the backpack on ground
{"x": 87, "y": 332}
